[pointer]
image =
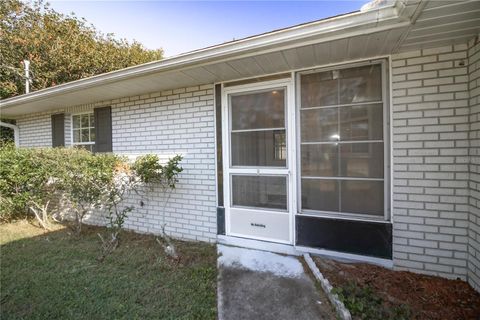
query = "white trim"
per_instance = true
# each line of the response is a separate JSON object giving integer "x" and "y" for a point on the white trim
{"x": 72, "y": 143}
{"x": 16, "y": 136}
{"x": 344, "y": 216}
{"x": 292, "y": 154}
{"x": 336, "y": 142}
{"x": 268, "y": 171}
{"x": 343, "y": 105}
{"x": 256, "y": 130}
{"x": 256, "y": 238}
{"x": 390, "y": 132}
{"x": 341, "y": 178}
{"x": 385, "y": 80}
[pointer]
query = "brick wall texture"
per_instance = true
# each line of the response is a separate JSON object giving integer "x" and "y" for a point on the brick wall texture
{"x": 435, "y": 190}
{"x": 435, "y": 170}
{"x": 474, "y": 181}
{"x": 164, "y": 123}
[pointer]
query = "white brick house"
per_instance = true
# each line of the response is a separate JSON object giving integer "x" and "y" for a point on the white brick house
{"x": 356, "y": 136}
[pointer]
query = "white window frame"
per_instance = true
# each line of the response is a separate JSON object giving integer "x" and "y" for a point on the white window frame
{"x": 386, "y": 144}
{"x": 73, "y": 143}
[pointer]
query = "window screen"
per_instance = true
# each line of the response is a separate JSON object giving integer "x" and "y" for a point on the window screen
{"x": 341, "y": 141}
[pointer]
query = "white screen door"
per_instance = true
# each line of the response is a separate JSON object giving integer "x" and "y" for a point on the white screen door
{"x": 258, "y": 160}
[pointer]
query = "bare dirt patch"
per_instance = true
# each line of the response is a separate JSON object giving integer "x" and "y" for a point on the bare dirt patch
{"x": 427, "y": 297}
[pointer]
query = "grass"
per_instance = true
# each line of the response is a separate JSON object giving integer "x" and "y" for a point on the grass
{"x": 365, "y": 303}
{"x": 55, "y": 275}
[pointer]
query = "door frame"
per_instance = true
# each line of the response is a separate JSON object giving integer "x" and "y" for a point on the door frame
{"x": 289, "y": 85}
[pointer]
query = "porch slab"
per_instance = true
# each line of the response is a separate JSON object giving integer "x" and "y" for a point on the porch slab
{"x": 255, "y": 284}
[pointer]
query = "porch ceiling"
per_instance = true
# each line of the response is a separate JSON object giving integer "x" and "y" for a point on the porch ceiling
{"x": 437, "y": 23}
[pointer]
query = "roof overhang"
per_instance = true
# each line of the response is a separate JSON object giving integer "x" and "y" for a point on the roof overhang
{"x": 352, "y": 36}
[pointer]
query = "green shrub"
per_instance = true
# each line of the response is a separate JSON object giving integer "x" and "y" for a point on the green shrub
{"x": 85, "y": 181}
{"x": 30, "y": 178}
{"x": 149, "y": 170}
{"x": 25, "y": 180}
{"x": 364, "y": 303}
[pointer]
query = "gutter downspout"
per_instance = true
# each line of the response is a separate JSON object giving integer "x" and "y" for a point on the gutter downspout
{"x": 15, "y": 131}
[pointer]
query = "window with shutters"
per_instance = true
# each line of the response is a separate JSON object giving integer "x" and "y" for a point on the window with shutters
{"x": 83, "y": 130}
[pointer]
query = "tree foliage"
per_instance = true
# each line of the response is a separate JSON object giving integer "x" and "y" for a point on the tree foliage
{"x": 61, "y": 48}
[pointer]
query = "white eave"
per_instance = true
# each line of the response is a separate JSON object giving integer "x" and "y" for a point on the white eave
{"x": 347, "y": 37}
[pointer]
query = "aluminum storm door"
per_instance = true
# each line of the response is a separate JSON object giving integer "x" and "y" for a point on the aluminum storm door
{"x": 258, "y": 157}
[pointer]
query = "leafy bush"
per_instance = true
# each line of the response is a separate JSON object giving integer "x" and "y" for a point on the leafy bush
{"x": 85, "y": 179}
{"x": 30, "y": 179}
{"x": 149, "y": 170}
{"x": 26, "y": 181}
{"x": 364, "y": 303}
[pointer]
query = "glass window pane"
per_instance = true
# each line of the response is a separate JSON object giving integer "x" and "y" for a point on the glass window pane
{"x": 364, "y": 122}
{"x": 280, "y": 145}
{"x": 319, "y": 89}
{"x": 320, "y": 194}
{"x": 85, "y": 135}
{"x": 258, "y": 148}
{"x": 319, "y": 125}
{"x": 259, "y": 191}
{"x": 320, "y": 160}
{"x": 361, "y": 160}
{"x": 365, "y": 197}
{"x": 84, "y": 121}
{"x": 258, "y": 110}
{"x": 76, "y": 135}
{"x": 92, "y": 134}
{"x": 76, "y": 122}
{"x": 361, "y": 84}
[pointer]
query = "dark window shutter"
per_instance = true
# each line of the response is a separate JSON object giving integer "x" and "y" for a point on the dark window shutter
{"x": 58, "y": 130}
{"x": 103, "y": 129}
{"x": 218, "y": 118}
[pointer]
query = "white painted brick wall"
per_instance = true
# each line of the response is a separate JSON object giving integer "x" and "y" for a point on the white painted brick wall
{"x": 474, "y": 179}
{"x": 163, "y": 123}
{"x": 431, "y": 160}
{"x": 35, "y": 130}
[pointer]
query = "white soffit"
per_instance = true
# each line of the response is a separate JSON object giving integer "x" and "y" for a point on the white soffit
{"x": 441, "y": 23}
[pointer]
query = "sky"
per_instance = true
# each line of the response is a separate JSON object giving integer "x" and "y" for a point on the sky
{"x": 182, "y": 26}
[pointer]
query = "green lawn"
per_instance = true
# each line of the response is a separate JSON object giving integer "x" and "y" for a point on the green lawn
{"x": 56, "y": 276}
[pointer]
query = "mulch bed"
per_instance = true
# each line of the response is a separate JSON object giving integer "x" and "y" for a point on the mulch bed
{"x": 428, "y": 297}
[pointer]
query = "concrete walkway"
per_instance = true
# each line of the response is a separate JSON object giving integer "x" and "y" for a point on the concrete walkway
{"x": 262, "y": 285}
